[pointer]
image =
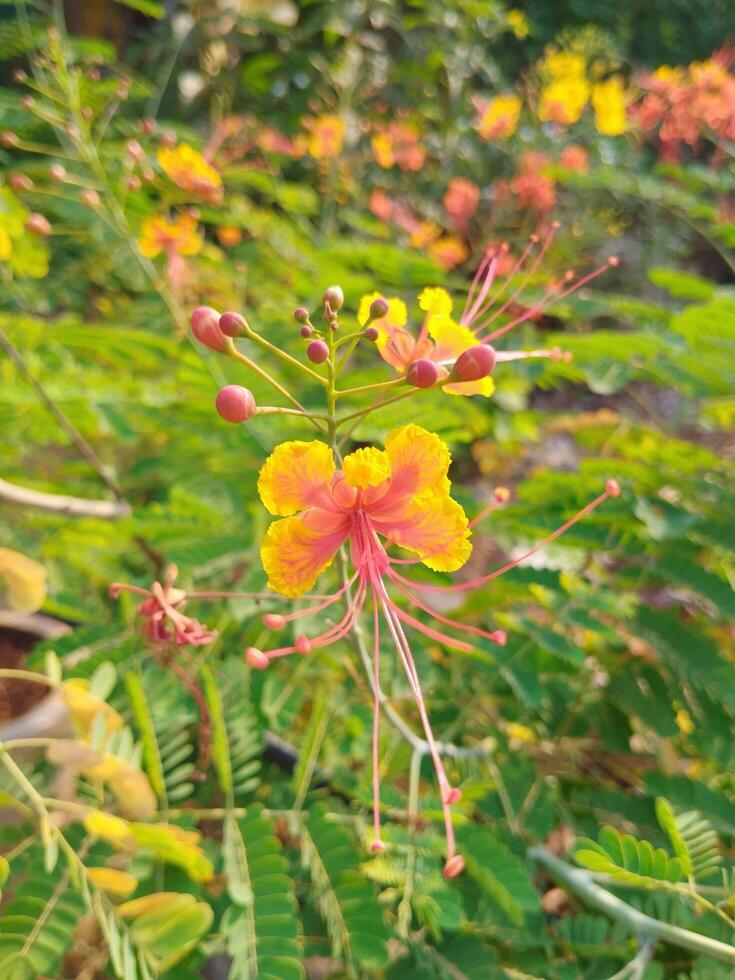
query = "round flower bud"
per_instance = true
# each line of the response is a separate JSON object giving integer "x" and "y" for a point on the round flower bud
{"x": 317, "y": 352}
{"x": 274, "y": 621}
{"x": 422, "y": 373}
{"x": 335, "y": 297}
{"x": 134, "y": 150}
{"x": 37, "y": 224}
{"x": 474, "y": 363}
{"x": 235, "y": 404}
{"x": 300, "y": 315}
{"x": 148, "y": 125}
{"x": 452, "y": 795}
{"x": 454, "y": 866}
{"x": 371, "y": 333}
{"x": 256, "y": 658}
{"x": 8, "y": 139}
{"x": 57, "y": 172}
{"x": 205, "y": 327}
{"x": 232, "y": 324}
{"x": 501, "y": 494}
{"x": 20, "y": 182}
{"x": 306, "y": 331}
{"x": 303, "y": 644}
{"x": 377, "y": 847}
{"x": 90, "y": 197}
{"x": 168, "y": 139}
{"x": 612, "y": 488}
{"x": 378, "y": 308}
{"x": 19, "y": 76}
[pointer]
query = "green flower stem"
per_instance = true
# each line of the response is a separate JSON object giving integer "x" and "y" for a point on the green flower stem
{"x": 26, "y": 675}
{"x": 378, "y": 386}
{"x": 278, "y": 410}
{"x": 239, "y": 356}
{"x": 286, "y": 358}
{"x": 582, "y": 884}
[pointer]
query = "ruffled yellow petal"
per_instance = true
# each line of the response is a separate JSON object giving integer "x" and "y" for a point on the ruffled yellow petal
{"x": 294, "y": 555}
{"x": 435, "y": 300}
{"x": 366, "y": 467}
{"x": 485, "y": 386}
{"x": 295, "y": 476}
{"x": 450, "y": 337}
{"x": 419, "y": 461}
{"x": 23, "y": 581}
{"x": 397, "y": 315}
{"x": 436, "y": 528}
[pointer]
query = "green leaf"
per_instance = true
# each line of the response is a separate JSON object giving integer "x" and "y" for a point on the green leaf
{"x": 629, "y": 860}
{"x": 500, "y": 874}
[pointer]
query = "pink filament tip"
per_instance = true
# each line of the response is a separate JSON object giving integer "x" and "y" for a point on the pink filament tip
{"x": 454, "y": 866}
{"x": 612, "y": 488}
{"x": 613, "y": 261}
{"x": 500, "y": 637}
{"x": 256, "y": 658}
{"x": 303, "y": 644}
{"x": 114, "y": 590}
{"x": 453, "y": 795}
{"x": 377, "y": 847}
{"x": 555, "y": 225}
{"x": 501, "y": 494}
{"x": 274, "y": 621}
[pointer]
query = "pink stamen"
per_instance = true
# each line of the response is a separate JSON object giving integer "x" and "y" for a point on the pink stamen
{"x": 464, "y": 586}
{"x": 496, "y": 636}
{"x": 486, "y": 260}
{"x": 309, "y": 610}
{"x": 551, "y": 295}
{"x": 377, "y": 842}
{"x": 501, "y": 498}
{"x": 489, "y": 279}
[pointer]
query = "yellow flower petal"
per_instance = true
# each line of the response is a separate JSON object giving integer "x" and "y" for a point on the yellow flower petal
{"x": 24, "y": 580}
{"x": 294, "y": 555}
{"x": 419, "y": 461}
{"x": 485, "y": 387}
{"x": 434, "y": 299}
{"x": 451, "y": 337}
{"x": 117, "y": 883}
{"x": 84, "y": 707}
{"x": 109, "y": 828}
{"x": 436, "y": 528}
{"x": 295, "y": 476}
{"x": 366, "y": 467}
{"x": 397, "y": 315}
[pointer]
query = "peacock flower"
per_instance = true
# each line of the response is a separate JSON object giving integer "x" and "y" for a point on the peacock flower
{"x": 164, "y": 622}
{"x": 461, "y": 200}
{"x": 563, "y": 100}
{"x": 378, "y": 500}
{"x": 171, "y": 237}
{"x": 326, "y": 136}
{"x": 188, "y": 169}
{"x": 575, "y": 158}
{"x": 497, "y": 119}
{"x": 492, "y": 308}
{"x": 398, "y": 145}
{"x": 449, "y": 251}
{"x": 608, "y": 101}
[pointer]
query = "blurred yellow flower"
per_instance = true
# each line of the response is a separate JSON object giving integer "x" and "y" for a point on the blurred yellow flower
{"x": 188, "y": 169}
{"x": 518, "y": 23}
{"x": 608, "y": 101}
{"x": 498, "y": 118}
{"x": 565, "y": 64}
{"x": 178, "y": 237}
{"x": 118, "y": 884}
{"x": 326, "y": 136}
{"x": 26, "y": 254}
{"x": 23, "y": 581}
{"x": 684, "y": 721}
{"x": 521, "y": 733}
{"x": 563, "y": 100}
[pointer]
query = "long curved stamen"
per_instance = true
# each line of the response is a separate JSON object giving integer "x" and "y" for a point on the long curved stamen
{"x": 277, "y": 621}
{"x": 551, "y": 296}
{"x": 611, "y": 490}
{"x": 334, "y": 633}
{"x": 482, "y": 268}
{"x": 377, "y": 844}
{"x": 404, "y": 652}
{"x": 429, "y": 631}
{"x": 490, "y": 270}
{"x": 501, "y": 497}
{"x": 496, "y": 636}
{"x": 525, "y": 279}
{"x": 508, "y": 279}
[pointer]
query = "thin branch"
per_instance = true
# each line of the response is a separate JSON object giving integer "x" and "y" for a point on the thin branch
{"x": 60, "y": 503}
{"x": 582, "y": 884}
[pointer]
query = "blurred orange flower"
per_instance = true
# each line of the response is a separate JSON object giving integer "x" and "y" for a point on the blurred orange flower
{"x": 188, "y": 169}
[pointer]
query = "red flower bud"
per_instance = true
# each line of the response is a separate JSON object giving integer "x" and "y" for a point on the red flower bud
{"x": 306, "y": 331}
{"x": 274, "y": 621}
{"x": 235, "y": 404}
{"x": 9, "y": 139}
{"x": 453, "y": 795}
{"x": 256, "y": 658}
{"x": 454, "y": 866}
{"x": 378, "y": 308}
{"x": 205, "y": 327}
{"x": 57, "y": 172}
{"x": 300, "y": 315}
{"x": 232, "y": 324}
{"x": 90, "y": 197}
{"x": 474, "y": 363}
{"x": 371, "y": 333}
{"x": 303, "y": 644}
{"x": 612, "y": 488}
{"x": 317, "y": 352}
{"x": 20, "y": 182}
{"x": 38, "y": 225}
{"x": 148, "y": 125}
{"x": 335, "y": 297}
{"x": 422, "y": 373}
{"x": 134, "y": 150}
